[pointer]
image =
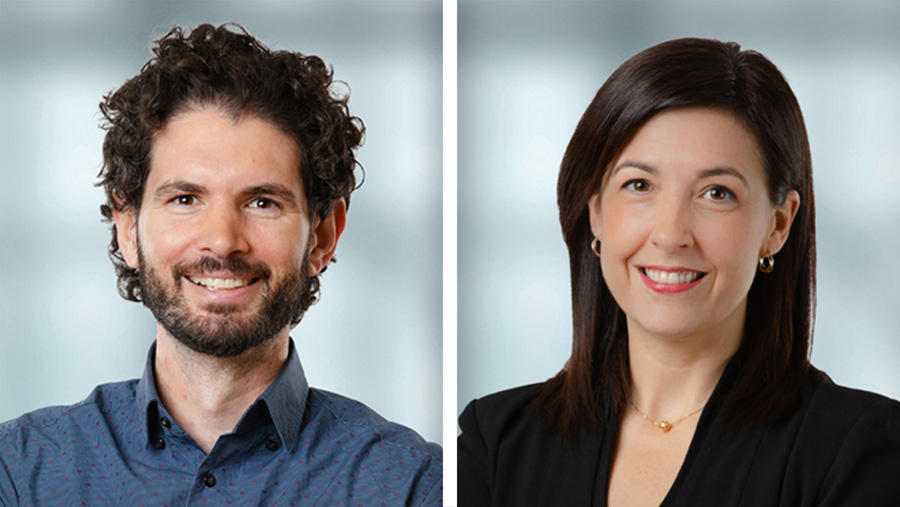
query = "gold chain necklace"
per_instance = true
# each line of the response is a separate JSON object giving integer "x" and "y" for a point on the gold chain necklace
{"x": 664, "y": 425}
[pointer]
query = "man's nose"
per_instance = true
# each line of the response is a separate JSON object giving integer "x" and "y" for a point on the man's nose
{"x": 223, "y": 231}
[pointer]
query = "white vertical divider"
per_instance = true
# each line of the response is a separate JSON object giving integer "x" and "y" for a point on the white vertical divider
{"x": 450, "y": 251}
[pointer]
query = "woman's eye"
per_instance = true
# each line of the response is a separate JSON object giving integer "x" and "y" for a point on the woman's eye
{"x": 719, "y": 194}
{"x": 639, "y": 186}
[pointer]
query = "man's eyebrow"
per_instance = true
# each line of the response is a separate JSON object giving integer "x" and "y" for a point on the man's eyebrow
{"x": 274, "y": 189}
{"x": 724, "y": 171}
{"x": 178, "y": 187}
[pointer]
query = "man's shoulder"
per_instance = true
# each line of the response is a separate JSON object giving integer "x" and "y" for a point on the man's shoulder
{"x": 336, "y": 424}
{"x": 331, "y": 409}
{"x": 54, "y": 422}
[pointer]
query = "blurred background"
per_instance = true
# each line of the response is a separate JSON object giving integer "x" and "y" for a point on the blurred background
{"x": 376, "y": 333}
{"x": 528, "y": 70}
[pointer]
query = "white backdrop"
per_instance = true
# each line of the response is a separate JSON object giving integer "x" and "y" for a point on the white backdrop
{"x": 375, "y": 335}
{"x": 528, "y": 70}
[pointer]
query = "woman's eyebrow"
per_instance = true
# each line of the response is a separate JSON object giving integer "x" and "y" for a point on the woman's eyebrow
{"x": 706, "y": 173}
{"x": 637, "y": 165}
{"x": 724, "y": 171}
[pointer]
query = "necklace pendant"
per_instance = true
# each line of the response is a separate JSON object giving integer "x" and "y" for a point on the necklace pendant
{"x": 664, "y": 426}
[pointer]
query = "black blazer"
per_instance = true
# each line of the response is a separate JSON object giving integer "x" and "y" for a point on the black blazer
{"x": 840, "y": 447}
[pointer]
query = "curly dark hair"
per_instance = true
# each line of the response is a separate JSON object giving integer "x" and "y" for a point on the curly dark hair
{"x": 237, "y": 74}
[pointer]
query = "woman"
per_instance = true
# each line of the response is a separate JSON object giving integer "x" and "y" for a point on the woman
{"x": 686, "y": 203}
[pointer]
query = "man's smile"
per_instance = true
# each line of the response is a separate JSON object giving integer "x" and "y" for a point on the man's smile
{"x": 221, "y": 283}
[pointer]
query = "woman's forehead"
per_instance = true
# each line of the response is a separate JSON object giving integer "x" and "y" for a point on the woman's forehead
{"x": 695, "y": 142}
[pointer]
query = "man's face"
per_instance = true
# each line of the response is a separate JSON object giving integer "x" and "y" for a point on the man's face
{"x": 222, "y": 240}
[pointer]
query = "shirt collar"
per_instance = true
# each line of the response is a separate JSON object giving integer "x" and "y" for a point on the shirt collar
{"x": 284, "y": 401}
{"x": 286, "y": 398}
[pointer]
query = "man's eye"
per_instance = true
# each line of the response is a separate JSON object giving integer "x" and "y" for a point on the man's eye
{"x": 185, "y": 200}
{"x": 262, "y": 203}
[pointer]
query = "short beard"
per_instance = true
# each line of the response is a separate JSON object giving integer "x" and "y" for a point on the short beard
{"x": 222, "y": 334}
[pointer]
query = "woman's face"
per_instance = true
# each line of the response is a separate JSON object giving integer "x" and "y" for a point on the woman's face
{"x": 683, "y": 217}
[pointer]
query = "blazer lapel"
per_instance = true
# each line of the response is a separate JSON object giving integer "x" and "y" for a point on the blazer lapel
{"x": 570, "y": 473}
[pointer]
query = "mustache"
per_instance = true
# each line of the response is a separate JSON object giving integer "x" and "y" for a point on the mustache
{"x": 233, "y": 265}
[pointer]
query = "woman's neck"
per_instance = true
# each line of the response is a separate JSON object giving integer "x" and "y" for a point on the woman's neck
{"x": 674, "y": 376}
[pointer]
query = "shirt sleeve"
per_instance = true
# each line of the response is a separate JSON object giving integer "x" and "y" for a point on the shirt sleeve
{"x": 433, "y": 496}
{"x": 8, "y": 494}
{"x": 474, "y": 489}
{"x": 865, "y": 469}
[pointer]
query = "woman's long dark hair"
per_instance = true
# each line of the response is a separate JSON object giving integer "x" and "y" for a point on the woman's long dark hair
{"x": 780, "y": 309}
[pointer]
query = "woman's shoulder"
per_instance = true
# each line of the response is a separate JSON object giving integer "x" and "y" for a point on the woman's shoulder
{"x": 841, "y": 418}
{"x": 842, "y": 421}
{"x": 496, "y": 413}
{"x": 505, "y": 449}
{"x": 847, "y": 442}
{"x": 833, "y": 404}
{"x": 513, "y": 399}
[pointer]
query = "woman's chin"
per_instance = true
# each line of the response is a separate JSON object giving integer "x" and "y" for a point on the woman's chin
{"x": 666, "y": 329}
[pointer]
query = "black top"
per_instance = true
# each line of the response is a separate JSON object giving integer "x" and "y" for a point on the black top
{"x": 840, "y": 447}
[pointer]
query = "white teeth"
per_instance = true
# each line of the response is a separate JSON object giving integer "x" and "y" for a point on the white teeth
{"x": 671, "y": 277}
{"x": 219, "y": 283}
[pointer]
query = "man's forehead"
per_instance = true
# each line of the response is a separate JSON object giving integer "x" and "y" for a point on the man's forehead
{"x": 214, "y": 150}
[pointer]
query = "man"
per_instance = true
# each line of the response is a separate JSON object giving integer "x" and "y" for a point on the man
{"x": 228, "y": 170}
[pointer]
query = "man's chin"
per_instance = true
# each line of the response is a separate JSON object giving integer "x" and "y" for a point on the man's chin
{"x": 217, "y": 340}
{"x": 227, "y": 311}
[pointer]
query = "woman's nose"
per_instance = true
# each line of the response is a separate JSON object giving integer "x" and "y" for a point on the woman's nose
{"x": 671, "y": 230}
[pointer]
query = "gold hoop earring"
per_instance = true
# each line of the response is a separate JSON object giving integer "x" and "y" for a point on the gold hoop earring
{"x": 767, "y": 263}
{"x": 595, "y": 246}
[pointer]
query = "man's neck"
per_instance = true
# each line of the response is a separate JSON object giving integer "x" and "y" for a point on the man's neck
{"x": 207, "y": 395}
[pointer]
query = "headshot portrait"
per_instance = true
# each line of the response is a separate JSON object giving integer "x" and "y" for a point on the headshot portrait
{"x": 265, "y": 179}
{"x": 667, "y": 236}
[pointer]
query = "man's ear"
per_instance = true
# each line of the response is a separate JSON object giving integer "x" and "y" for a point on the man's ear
{"x": 782, "y": 218}
{"x": 324, "y": 237}
{"x": 126, "y": 234}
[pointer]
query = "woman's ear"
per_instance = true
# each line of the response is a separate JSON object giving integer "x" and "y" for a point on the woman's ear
{"x": 324, "y": 237}
{"x": 126, "y": 235}
{"x": 782, "y": 218}
{"x": 594, "y": 214}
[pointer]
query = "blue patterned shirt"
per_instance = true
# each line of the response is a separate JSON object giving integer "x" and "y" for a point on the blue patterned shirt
{"x": 294, "y": 446}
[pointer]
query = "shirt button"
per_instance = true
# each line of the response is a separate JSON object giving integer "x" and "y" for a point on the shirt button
{"x": 159, "y": 443}
{"x": 209, "y": 480}
{"x": 165, "y": 422}
{"x": 271, "y": 445}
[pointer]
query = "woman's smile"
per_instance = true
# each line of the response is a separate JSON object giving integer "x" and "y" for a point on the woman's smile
{"x": 670, "y": 280}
